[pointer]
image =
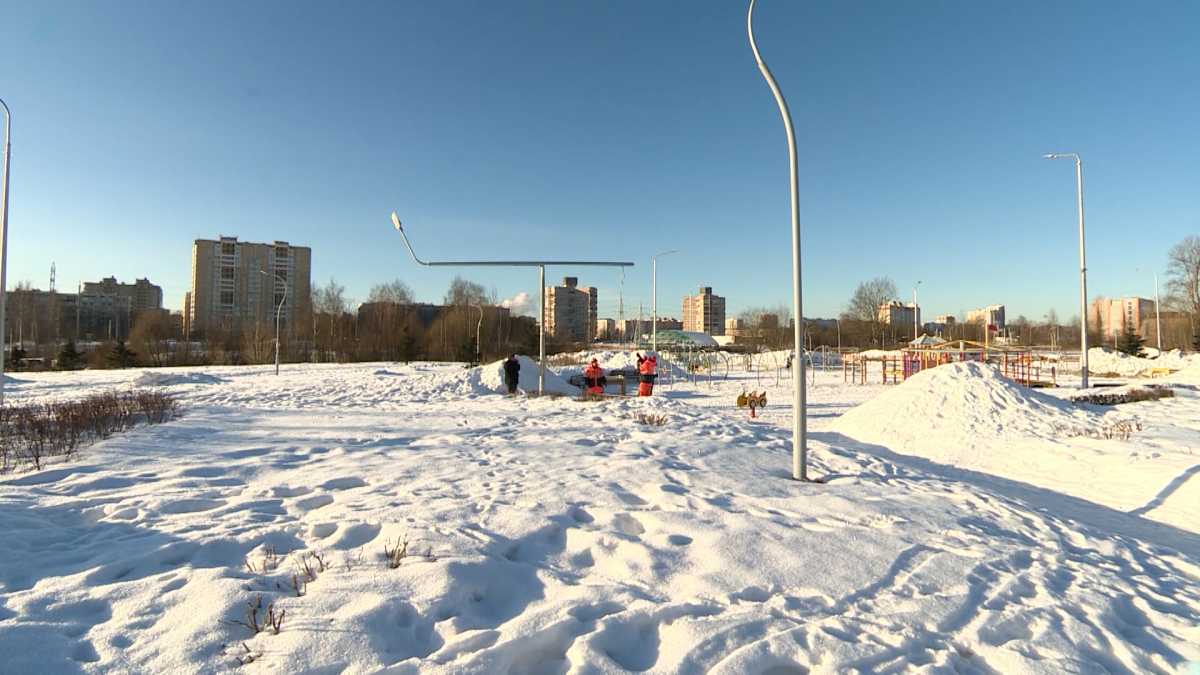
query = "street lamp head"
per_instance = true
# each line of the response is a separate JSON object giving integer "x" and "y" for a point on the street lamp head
{"x": 1046, "y": 156}
{"x": 396, "y": 221}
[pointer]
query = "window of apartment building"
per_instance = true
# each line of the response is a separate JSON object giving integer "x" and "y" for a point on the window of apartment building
{"x": 227, "y": 249}
{"x": 281, "y": 252}
{"x": 282, "y": 274}
{"x": 279, "y": 299}
{"x": 227, "y": 273}
{"x": 226, "y": 297}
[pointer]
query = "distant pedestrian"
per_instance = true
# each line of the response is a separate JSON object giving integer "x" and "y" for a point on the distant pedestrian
{"x": 512, "y": 373}
{"x": 646, "y": 375}
{"x": 593, "y": 378}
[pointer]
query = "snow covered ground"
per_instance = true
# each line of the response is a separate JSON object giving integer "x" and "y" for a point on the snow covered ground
{"x": 956, "y": 530}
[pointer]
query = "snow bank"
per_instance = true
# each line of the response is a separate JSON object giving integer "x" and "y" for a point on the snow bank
{"x": 159, "y": 378}
{"x": 1104, "y": 360}
{"x": 955, "y": 413}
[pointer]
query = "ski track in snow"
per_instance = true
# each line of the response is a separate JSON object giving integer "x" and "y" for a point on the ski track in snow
{"x": 562, "y": 536}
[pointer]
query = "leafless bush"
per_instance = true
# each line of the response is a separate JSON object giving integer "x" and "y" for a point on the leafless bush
{"x": 649, "y": 419}
{"x": 395, "y": 553}
{"x": 1150, "y": 393}
{"x": 544, "y": 394}
{"x": 585, "y": 397}
{"x": 257, "y": 621}
{"x": 31, "y": 433}
{"x": 1120, "y": 431}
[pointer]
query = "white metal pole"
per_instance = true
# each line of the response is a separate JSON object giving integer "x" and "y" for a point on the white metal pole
{"x": 1082, "y": 273}
{"x": 478, "y": 328}
{"x": 1083, "y": 318}
{"x": 654, "y": 328}
{"x": 542, "y": 338}
{"x": 916, "y": 321}
{"x": 278, "y": 313}
{"x": 799, "y": 421}
{"x": 1157, "y": 314}
{"x": 4, "y": 240}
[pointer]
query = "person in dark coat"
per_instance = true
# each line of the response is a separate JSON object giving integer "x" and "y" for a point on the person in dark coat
{"x": 512, "y": 373}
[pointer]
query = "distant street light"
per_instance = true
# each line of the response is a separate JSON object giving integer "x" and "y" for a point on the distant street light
{"x": 278, "y": 313}
{"x": 478, "y": 328}
{"x": 528, "y": 263}
{"x": 4, "y": 240}
{"x": 916, "y": 320}
{"x": 654, "y": 327}
{"x": 799, "y": 412}
{"x": 1157, "y": 310}
{"x": 1083, "y": 319}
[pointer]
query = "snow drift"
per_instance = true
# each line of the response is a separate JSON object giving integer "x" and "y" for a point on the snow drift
{"x": 954, "y": 412}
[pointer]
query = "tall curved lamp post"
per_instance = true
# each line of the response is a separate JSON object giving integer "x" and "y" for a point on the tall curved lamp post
{"x": 278, "y": 314}
{"x": 478, "y": 329}
{"x": 654, "y": 326}
{"x": 4, "y": 241}
{"x": 513, "y": 263}
{"x": 799, "y": 421}
{"x": 1083, "y": 318}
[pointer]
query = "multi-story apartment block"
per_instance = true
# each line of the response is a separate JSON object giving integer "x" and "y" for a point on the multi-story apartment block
{"x": 735, "y": 327}
{"x": 571, "y": 311}
{"x": 1111, "y": 315}
{"x": 992, "y": 315}
{"x": 140, "y": 296}
{"x": 898, "y": 313}
{"x": 634, "y": 329}
{"x": 234, "y": 282}
{"x": 946, "y": 320}
{"x": 704, "y": 313}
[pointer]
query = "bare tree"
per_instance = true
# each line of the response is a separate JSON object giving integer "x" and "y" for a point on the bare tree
{"x": 151, "y": 334}
{"x": 463, "y": 292}
{"x": 329, "y": 320}
{"x": 396, "y": 292}
{"x": 865, "y": 303}
{"x": 1183, "y": 271}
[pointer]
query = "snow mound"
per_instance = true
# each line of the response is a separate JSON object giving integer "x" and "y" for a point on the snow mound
{"x": 489, "y": 379}
{"x": 956, "y": 412}
{"x": 611, "y": 360}
{"x": 161, "y": 379}
{"x": 1104, "y": 360}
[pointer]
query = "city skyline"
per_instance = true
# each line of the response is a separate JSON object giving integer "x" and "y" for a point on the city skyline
{"x": 922, "y": 131}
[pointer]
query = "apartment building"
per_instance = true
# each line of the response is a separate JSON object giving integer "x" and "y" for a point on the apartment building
{"x": 704, "y": 313}
{"x": 897, "y": 313}
{"x": 571, "y": 311}
{"x": 140, "y": 296}
{"x": 1111, "y": 315}
{"x": 234, "y": 282}
{"x": 992, "y": 315}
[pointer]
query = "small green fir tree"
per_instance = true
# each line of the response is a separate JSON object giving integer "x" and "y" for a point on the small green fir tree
{"x": 1132, "y": 343}
{"x": 69, "y": 358}
{"x": 406, "y": 349}
{"x": 15, "y": 357}
{"x": 122, "y": 355}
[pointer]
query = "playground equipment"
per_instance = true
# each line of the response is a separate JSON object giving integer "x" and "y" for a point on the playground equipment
{"x": 1017, "y": 364}
{"x": 754, "y": 401}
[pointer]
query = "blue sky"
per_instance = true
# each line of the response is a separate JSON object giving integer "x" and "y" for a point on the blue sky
{"x": 610, "y": 131}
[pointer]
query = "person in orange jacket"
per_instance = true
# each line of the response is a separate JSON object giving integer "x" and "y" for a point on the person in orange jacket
{"x": 647, "y": 375}
{"x": 593, "y": 377}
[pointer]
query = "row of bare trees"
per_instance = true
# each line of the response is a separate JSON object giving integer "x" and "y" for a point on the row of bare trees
{"x": 468, "y": 326}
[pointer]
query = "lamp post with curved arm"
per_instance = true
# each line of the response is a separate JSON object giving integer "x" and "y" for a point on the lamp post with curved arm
{"x": 1083, "y": 319}
{"x": 799, "y": 421}
{"x": 278, "y": 314}
{"x": 4, "y": 240}
{"x": 654, "y": 326}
